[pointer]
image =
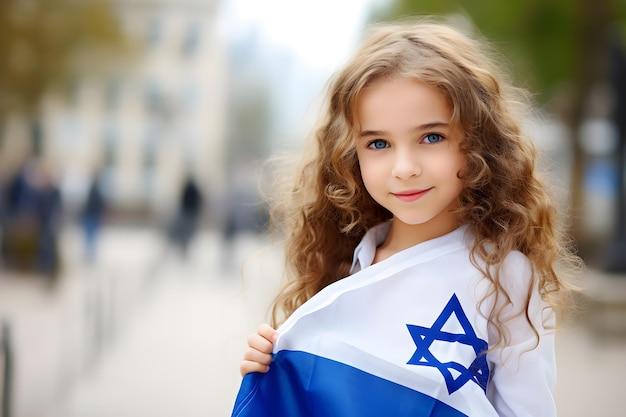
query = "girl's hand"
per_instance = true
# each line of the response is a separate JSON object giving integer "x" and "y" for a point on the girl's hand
{"x": 259, "y": 353}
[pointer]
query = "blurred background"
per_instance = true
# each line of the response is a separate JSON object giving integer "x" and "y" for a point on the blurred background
{"x": 134, "y": 252}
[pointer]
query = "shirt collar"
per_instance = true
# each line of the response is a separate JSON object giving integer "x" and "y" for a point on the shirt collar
{"x": 366, "y": 250}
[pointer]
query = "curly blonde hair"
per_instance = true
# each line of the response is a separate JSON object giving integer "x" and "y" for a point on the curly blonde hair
{"x": 327, "y": 210}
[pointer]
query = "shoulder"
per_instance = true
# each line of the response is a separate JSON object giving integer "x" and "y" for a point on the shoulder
{"x": 515, "y": 274}
{"x": 521, "y": 297}
{"x": 516, "y": 268}
{"x": 510, "y": 282}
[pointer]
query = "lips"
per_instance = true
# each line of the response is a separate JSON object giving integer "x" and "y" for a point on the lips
{"x": 411, "y": 195}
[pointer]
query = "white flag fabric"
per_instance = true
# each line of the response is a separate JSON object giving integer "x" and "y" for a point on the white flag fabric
{"x": 402, "y": 337}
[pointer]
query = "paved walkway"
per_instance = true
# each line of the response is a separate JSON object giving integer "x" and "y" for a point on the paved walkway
{"x": 142, "y": 332}
{"x": 148, "y": 334}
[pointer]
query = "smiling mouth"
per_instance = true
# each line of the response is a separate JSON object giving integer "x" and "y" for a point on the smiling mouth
{"x": 409, "y": 196}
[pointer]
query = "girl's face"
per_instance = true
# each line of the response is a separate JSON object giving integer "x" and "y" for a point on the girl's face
{"x": 408, "y": 152}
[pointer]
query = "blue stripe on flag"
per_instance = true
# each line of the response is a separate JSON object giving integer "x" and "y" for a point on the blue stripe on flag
{"x": 301, "y": 384}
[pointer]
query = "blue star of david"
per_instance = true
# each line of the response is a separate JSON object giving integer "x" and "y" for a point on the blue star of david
{"x": 423, "y": 337}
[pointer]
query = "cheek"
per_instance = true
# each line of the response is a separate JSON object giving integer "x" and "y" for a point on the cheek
{"x": 365, "y": 175}
{"x": 370, "y": 177}
{"x": 451, "y": 163}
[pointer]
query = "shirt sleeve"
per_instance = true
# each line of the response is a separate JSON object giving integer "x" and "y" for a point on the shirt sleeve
{"x": 523, "y": 371}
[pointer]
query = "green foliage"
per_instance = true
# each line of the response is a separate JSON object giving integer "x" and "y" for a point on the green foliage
{"x": 541, "y": 38}
{"x": 44, "y": 43}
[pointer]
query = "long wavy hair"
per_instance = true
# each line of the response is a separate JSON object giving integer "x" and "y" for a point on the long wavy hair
{"x": 326, "y": 209}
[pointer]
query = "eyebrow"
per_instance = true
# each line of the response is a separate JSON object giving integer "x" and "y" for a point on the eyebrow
{"x": 425, "y": 126}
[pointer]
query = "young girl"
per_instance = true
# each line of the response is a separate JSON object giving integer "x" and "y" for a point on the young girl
{"x": 420, "y": 189}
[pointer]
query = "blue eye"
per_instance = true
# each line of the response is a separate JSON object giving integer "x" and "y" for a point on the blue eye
{"x": 433, "y": 138}
{"x": 378, "y": 144}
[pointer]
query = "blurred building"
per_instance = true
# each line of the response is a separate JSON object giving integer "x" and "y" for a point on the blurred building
{"x": 147, "y": 123}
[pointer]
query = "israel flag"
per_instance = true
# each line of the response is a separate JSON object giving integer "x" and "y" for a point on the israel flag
{"x": 402, "y": 337}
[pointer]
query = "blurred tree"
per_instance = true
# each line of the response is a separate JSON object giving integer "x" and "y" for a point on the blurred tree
{"x": 46, "y": 44}
{"x": 558, "y": 47}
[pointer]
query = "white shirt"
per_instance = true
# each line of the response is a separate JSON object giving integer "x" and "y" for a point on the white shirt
{"x": 522, "y": 377}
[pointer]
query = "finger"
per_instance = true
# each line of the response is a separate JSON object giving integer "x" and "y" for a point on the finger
{"x": 260, "y": 343}
{"x": 247, "y": 367}
{"x": 267, "y": 332}
{"x": 254, "y": 355}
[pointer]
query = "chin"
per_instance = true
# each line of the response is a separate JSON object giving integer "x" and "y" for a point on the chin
{"x": 411, "y": 221}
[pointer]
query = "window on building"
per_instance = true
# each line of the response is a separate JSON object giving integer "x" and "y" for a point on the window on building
{"x": 109, "y": 158}
{"x": 149, "y": 163}
{"x": 191, "y": 40}
{"x": 154, "y": 33}
{"x": 152, "y": 96}
{"x": 112, "y": 93}
{"x": 191, "y": 94}
{"x": 110, "y": 146}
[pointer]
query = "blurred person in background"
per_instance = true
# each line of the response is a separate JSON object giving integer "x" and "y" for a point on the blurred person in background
{"x": 93, "y": 214}
{"x": 32, "y": 220}
{"x": 48, "y": 212}
{"x": 19, "y": 222}
{"x": 185, "y": 222}
{"x": 13, "y": 188}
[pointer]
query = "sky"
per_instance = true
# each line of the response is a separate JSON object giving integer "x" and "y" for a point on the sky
{"x": 320, "y": 32}
{"x": 298, "y": 44}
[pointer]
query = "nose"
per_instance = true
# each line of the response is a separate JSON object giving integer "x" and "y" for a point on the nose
{"x": 406, "y": 165}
